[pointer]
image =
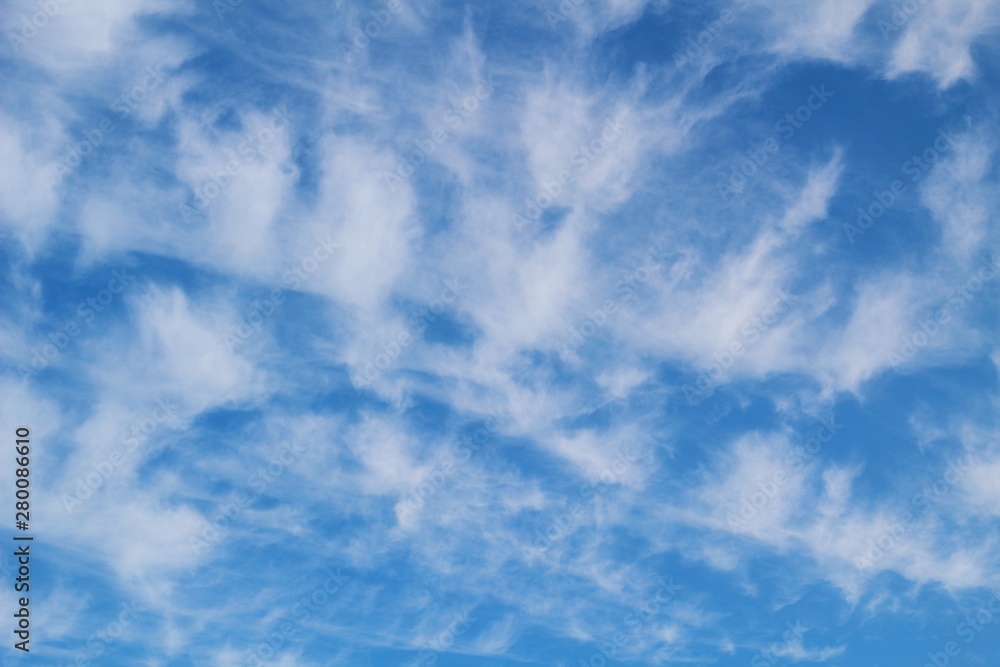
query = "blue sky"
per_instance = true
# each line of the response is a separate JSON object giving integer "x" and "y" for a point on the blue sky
{"x": 639, "y": 332}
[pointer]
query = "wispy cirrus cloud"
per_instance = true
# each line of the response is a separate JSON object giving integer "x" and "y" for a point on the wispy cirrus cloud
{"x": 587, "y": 351}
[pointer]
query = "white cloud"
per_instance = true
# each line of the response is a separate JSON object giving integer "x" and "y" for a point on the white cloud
{"x": 819, "y": 28}
{"x": 959, "y": 191}
{"x": 75, "y": 36}
{"x": 884, "y": 310}
{"x": 939, "y": 36}
{"x": 29, "y": 202}
{"x": 375, "y": 226}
